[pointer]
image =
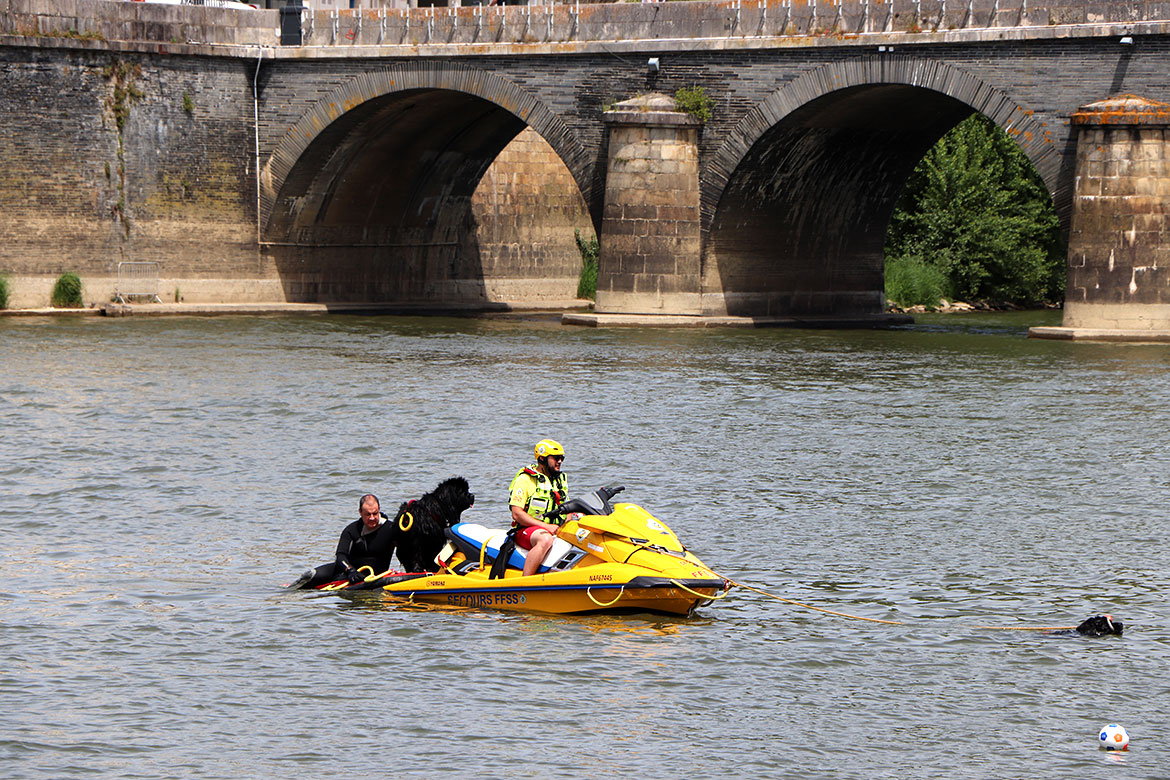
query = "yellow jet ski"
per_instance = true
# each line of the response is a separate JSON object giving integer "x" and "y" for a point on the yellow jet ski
{"x": 607, "y": 557}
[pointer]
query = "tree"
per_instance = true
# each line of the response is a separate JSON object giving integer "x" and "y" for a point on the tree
{"x": 975, "y": 209}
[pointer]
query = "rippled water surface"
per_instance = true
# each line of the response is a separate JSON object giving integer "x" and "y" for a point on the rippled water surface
{"x": 159, "y": 479}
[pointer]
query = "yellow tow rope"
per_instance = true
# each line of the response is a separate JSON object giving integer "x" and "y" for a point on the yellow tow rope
{"x": 810, "y": 606}
{"x": 878, "y": 620}
{"x": 722, "y": 595}
{"x": 1027, "y": 628}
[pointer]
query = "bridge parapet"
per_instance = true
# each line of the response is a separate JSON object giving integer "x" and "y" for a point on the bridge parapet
{"x": 783, "y": 22}
{"x": 563, "y": 28}
{"x": 98, "y": 24}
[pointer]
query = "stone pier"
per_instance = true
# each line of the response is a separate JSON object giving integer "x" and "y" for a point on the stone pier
{"x": 1118, "y": 285}
{"x": 650, "y": 240}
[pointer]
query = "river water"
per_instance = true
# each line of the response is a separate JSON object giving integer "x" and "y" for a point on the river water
{"x": 160, "y": 478}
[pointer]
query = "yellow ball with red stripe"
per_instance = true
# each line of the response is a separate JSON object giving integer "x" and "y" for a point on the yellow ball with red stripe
{"x": 1113, "y": 736}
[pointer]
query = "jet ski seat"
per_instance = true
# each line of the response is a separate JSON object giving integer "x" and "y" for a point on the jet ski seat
{"x": 470, "y": 538}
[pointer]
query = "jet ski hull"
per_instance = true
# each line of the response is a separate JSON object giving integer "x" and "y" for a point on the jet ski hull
{"x": 591, "y": 591}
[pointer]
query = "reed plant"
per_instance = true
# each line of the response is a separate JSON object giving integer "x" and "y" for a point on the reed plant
{"x": 67, "y": 291}
{"x": 911, "y": 281}
{"x": 587, "y": 282}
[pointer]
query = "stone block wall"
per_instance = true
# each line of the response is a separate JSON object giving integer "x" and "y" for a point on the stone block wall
{"x": 651, "y": 243}
{"x": 526, "y": 209}
{"x": 175, "y": 184}
{"x": 122, "y": 157}
{"x": 1119, "y": 245}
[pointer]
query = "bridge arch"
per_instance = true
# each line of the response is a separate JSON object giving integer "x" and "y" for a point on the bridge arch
{"x": 418, "y": 76}
{"x": 368, "y": 195}
{"x": 797, "y": 199}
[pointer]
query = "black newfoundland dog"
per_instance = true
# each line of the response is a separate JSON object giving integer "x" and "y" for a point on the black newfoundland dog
{"x": 1100, "y": 625}
{"x": 419, "y": 525}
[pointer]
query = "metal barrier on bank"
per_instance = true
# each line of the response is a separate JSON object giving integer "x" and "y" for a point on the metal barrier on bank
{"x": 137, "y": 280}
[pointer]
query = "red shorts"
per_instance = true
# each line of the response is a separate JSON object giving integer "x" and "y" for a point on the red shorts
{"x": 524, "y": 536}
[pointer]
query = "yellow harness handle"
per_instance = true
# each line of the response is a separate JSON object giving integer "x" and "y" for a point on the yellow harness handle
{"x": 359, "y": 570}
{"x": 589, "y": 593}
{"x": 404, "y": 526}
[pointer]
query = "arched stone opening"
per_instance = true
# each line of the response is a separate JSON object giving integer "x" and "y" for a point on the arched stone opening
{"x": 812, "y": 177}
{"x": 371, "y": 196}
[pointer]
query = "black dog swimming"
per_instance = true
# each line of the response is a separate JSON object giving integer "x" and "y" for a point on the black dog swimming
{"x": 1097, "y": 625}
{"x": 1100, "y": 625}
{"x": 419, "y": 525}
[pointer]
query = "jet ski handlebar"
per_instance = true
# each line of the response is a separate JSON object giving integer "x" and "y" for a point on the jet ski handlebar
{"x": 607, "y": 493}
{"x": 595, "y": 503}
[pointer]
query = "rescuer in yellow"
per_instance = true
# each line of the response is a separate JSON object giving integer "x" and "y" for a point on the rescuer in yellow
{"x": 535, "y": 490}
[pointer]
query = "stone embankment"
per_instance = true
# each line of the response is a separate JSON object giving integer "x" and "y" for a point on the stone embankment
{"x": 951, "y": 307}
{"x": 543, "y": 310}
{"x": 944, "y": 307}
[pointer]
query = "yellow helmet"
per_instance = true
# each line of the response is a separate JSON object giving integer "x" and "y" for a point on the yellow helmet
{"x": 546, "y": 447}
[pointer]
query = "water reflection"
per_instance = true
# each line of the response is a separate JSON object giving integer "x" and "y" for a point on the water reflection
{"x": 639, "y": 624}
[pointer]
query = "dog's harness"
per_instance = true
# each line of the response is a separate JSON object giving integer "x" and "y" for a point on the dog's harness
{"x": 406, "y": 519}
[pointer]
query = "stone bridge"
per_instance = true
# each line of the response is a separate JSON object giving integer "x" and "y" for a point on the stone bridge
{"x": 372, "y": 133}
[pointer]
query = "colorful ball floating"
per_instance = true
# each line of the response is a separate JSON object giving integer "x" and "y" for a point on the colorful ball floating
{"x": 1113, "y": 736}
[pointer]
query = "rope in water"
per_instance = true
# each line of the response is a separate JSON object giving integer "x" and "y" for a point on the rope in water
{"x": 810, "y": 606}
{"x": 879, "y": 620}
{"x": 1027, "y": 628}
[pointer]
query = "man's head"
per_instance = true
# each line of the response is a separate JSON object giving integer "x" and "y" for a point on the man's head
{"x": 370, "y": 510}
{"x": 549, "y": 456}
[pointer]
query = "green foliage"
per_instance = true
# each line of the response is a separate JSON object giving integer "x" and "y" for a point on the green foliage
{"x": 589, "y": 248}
{"x": 910, "y": 281}
{"x": 33, "y": 32}
{"x": 123, "y": 77}
{"x": 67, "y": 291}
{"x": 89, "y": 35}
{"x": 975, "y": 209}
{"x": 3, "y": 292}
{"x": 188, "y": 103}
{"x": 124, "y": 93}
{"x": 696, "y": 102}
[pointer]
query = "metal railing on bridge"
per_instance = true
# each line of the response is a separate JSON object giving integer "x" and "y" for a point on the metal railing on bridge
{"x": 541, "y": 21}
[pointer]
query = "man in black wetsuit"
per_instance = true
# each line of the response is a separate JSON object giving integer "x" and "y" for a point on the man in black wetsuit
{"x": 365, "y": 542}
